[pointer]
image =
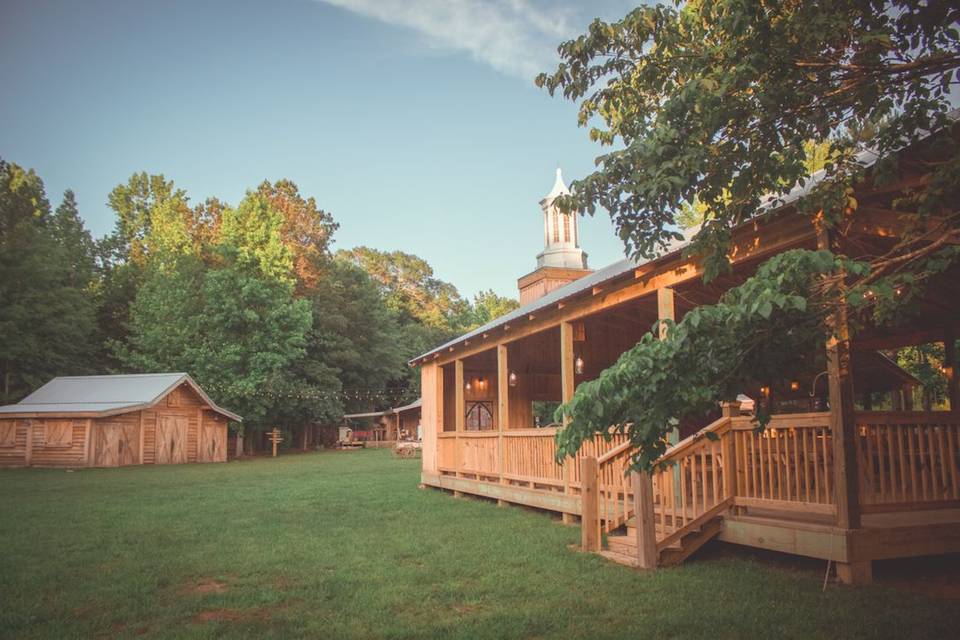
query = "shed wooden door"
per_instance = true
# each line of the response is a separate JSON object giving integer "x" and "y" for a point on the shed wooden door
{"x": 213, "y": 443}
{"x": 171, "y": 439}
{"x": 117, "y": 444}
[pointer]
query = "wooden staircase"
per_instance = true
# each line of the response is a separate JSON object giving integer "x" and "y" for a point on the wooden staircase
{"x": 622, "y": 548}
{"x": 682, "y": 500}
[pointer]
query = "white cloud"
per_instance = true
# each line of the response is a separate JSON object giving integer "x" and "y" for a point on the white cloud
{"x": 516, "y": 37}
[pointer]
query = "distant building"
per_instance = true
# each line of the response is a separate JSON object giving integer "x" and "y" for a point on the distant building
{"x": 112, "y": 421}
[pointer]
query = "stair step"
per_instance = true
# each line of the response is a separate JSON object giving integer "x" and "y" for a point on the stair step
{"x": 620, "y": 558}
{"x": 628, "y": 545}
{"x": 672, "y": 555}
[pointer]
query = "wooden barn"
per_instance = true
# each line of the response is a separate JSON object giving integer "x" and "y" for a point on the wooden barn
{"x": 114, "y": 420}
{"x": 849, "y": 468}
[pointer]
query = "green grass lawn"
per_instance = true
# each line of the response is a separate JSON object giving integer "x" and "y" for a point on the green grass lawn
{"x": 343, "y": 544}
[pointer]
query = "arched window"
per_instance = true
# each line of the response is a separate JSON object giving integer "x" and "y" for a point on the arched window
{"x": 566, "y": 227}
{"x": 479, "y": 416}
{"x": 556, "y": 226}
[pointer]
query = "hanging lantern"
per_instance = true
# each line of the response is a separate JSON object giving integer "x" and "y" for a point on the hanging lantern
{"x": 578, "y": 366}
{"x": 467, "y": 386}
{"x": 512, "y": 379}
{"x": 794, "y": 386}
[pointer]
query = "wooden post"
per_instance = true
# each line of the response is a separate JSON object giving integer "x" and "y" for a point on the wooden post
{"x": 567, "y": 386}
{"x": 843, "y": 428}
{"x": 589, "y": 505}
{"x": 729, "y": 410}
{"x": 276, "y": 439}
{"x": 28, "y": 454}
{"x": 88, "y": 436}
{"x": 143, "y": 437}
{"x": 860, "y": 572}
{"x": 666, "y": 310}
{"x": 950, "y": 364}
{"x": 503, "y": 408}
{"x": 239, "y": 451}
{"x": 645, "y": 520}
{"x": 459, "y": 415}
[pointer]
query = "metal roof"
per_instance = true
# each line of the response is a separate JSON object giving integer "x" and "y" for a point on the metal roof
{"x": 585, "y": 283}
{"x": 106, "y": 395}
{"x": 373, "y": 414}
{"x": 769, "y": 204}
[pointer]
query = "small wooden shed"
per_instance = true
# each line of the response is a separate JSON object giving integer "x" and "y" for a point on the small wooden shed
{"x": 114, "y": 420}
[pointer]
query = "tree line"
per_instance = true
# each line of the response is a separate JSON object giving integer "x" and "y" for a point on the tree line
{"x": 249, "y": 299}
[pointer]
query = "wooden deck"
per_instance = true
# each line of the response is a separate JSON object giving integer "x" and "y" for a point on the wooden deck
{"x": 773, "y": 490}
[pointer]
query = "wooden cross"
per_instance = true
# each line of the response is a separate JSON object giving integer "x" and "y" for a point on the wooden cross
{"x": 276, "y": 438}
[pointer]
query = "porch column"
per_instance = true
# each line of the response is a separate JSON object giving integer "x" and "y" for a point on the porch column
{"x": 431, "y": 416}
{"x": 950, "y": 363}
{"x": 667, "y": 311}
{"x": 843, "y": 429}
{"x": 459, "y": 414}
{"x": 567, "y": 385}
{"x": 503, "y": 409}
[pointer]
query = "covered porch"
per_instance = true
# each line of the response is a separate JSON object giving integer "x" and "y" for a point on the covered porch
{"x": 847, "y": 470}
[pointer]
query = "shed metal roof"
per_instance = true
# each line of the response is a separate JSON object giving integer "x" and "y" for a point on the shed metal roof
{"x": 106, "y": 395}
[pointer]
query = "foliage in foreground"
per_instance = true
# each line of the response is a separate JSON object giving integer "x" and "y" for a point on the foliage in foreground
{"x": 713, "y": 110}
{"x": 757, "y": 331}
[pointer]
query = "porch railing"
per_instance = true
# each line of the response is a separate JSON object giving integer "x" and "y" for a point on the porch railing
{"x": 789, "y": 464}
{"x": 908, "y": 460}
{"x": 528, "y": 455}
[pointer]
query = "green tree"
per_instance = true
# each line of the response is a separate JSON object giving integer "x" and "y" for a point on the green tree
{"x": 78, "y": 249}
{"x": 410, "y": 287}
{"x": 486, "y": 306}
{"x": 134, "y": 204}
{"x": 306, "y": 230}
{"x": 46, "y": 312}
{"x": 358, "y": 337}
{"x": 714, "y": 102}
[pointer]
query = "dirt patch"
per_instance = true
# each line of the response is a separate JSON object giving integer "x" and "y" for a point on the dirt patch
{"x": 203, "y": 587}
{"x": 283, "y": 583}
{"x": 231, "y": 615}
{"x": 466, "y": 609}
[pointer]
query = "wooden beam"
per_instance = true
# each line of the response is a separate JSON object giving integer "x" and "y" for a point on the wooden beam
{"x": 28, "y": 454}
{"x": 567, "y": 386}
{"x": 589, "y": 505}
{"x": 503, "y": 403}
{"x": 143, "y": 437}
{"x": 843, "y": 428}
{"x": 460, "y": 414}
{"x": 87, "y": 436}
{"x": 751, "y": 243}
{"x": 665, "y": 308}
{"x": 459, "y": 400}
{"x": 567, "y": 374}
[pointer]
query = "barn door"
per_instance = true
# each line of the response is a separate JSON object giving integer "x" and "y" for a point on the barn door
{"x": 213, "y": 443}
{"x": 171, "y": 439}
{"x": 117, "y": 444}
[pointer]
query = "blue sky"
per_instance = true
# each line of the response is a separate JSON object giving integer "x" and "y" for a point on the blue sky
{"x": 414, "y": 122}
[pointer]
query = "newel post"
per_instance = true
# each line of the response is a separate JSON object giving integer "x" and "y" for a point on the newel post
{"x": 730, "y": 467}
{"x": 646, "y": 531}
{"x": 589, "y": 504}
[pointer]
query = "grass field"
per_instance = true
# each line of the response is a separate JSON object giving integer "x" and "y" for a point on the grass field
{"x": 343, "y": 544}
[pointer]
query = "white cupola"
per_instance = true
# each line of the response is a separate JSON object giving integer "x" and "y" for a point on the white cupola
{"x": 562, "y": 260}
{"x": 561, "y": 232}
